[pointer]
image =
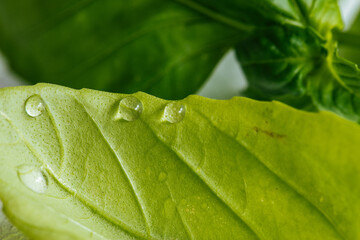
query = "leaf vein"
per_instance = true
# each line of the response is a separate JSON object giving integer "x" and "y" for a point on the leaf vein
{"x": 121, "y": 166}
{"x": 117, "y": 223}
{"x": 218, "y": 196}
{"x": 273, "y": 172}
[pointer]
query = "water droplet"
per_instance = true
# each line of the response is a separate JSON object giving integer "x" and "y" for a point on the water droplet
{"x": 34, "y": 106}
{"x": 162, "y": 176}
{"x": 321, "y": 199}
{"x": 174, "y": 112}
{"x": 33, "y": 178}
{"x": 130, "y": 109}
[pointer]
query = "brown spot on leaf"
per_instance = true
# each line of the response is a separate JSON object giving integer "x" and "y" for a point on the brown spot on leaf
{"x": 269, "y": 133}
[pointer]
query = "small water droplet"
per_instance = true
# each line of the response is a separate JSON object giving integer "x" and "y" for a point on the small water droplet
{"x": 34, "y": 106}
{"x": 130, "y": 109}
{"x": 33, "y": 178}
{"x": 321, "y": 199}
{"x": 162, "y": 176}
{"x": 174, "y": 112}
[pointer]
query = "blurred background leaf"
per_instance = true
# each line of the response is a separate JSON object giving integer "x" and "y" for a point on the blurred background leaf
{"x": 349, "y": 42}
{"x": 278, "y": 60}
{"x": 166, "y": 48}
{"x": 161, "y": 47}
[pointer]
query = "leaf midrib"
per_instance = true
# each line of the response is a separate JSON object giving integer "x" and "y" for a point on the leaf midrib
{"x": 218, "y": 196}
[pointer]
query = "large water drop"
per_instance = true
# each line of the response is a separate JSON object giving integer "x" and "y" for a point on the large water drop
{"x": 34, "y": 106}
{"x": 174, "y": 112}
{"x": 130, "y": 109}
{"x": 33, "y": 178}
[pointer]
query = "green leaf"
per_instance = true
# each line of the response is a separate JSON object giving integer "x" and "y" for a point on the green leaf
{"x": 321, "y": 15}
{"x": 156, "y": 46}
{"x": 73, "y": 167}
{"x": 167, "y": 48}
{"x": 278, "y": 60}
{"x": 300, "y": 68}
{"x": 349, "y": 42}
{"x": 335, "y": 86}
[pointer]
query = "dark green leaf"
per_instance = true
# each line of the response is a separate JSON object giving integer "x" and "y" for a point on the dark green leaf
{"x": 72, "y": 167}
{"x": 277, "y": 60}
{"x": 335, "y": 86}
{"x": 297, "y": 66}
{"x": 349, "y": 42}
{"x": 159, "y": 46}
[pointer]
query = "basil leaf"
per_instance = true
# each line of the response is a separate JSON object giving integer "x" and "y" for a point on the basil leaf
{"x": 278, "y": 60}
{"x": 336, "y": 87}
{"x": 299, "y": 67}
{"x": 87, "y": 164}
{"x": 321, "y": 15}
{"x": 155, "y": 46}
{"x": 167, "y": 48}
{"x": 349, "y": 45}
{"x": 162, "y": 47}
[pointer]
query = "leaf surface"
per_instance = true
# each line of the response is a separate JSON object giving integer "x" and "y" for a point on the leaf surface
{"x": 167, "y": 48}
{"x": 229, "y": 169}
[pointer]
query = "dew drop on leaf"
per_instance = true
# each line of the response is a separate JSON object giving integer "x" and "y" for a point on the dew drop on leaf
{"x": 34, "y": 106}
{"x": 130, "y": 109}
{"x": 33, "y": 178}
{"x": 174, "y": 112}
